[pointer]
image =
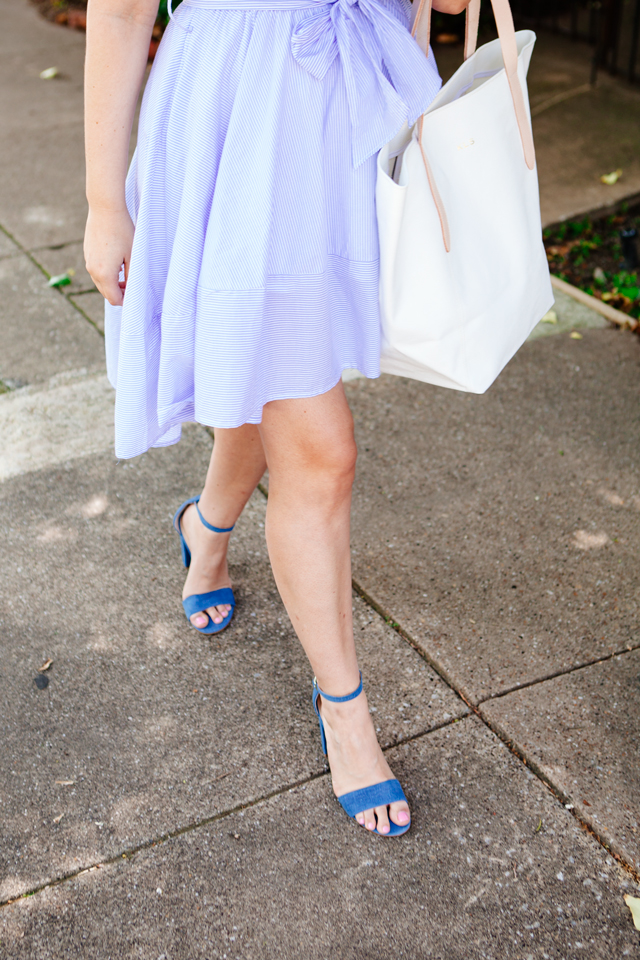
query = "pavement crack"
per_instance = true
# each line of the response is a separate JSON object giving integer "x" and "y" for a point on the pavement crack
{"x": 495, "y": 729}
{"x": 67, "y": 296}
{"x": 558, "y": 673}
{"x": 435, "y": 665}
{"x": 128, "y": 852}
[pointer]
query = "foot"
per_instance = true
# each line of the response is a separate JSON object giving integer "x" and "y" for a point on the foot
{"x": 357, "y": 761}
{"x": 208, "y": 570}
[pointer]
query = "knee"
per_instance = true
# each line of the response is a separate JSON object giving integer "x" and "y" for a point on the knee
{"x": 330, "y": 465}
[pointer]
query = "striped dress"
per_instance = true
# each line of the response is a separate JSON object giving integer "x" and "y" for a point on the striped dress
{"x": 254, "y": 269}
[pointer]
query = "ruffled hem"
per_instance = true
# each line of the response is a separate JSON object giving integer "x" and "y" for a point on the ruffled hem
{"x": 254, "y": 270}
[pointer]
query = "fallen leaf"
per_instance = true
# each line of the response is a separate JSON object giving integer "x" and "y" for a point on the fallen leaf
{"x": 58, "y": 819}
{"x": 45, "y": 666}
{"x": 634, "y": 905}
{"x": 575, "y": 335}
{"x": 49, "y": 73}
{"x": 62, "y": 280}
{"x": 66, "y": 783}
{"x": 611, "y": 178}
{"x": 550, "y": 317}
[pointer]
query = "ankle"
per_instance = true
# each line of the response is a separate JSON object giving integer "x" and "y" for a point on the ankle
{"x": 337, "y": 715}
{"x": 217, "y": 513}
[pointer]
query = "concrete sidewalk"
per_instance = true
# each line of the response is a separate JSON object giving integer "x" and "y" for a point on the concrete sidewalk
{"x": 165, "y": 795}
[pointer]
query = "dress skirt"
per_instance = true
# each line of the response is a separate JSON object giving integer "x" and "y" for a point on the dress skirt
{"x": 254, "y": 269}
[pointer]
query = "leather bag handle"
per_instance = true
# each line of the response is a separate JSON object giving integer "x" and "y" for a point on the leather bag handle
{"x": 471, "y": 24}
{"x": 506, "y": 31}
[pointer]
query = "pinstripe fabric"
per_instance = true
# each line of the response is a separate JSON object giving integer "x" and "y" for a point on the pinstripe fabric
{"x": 254, "y": 270}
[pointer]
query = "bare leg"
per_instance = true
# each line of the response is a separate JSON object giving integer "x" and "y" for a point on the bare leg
{"x": 311, "y": 456}
{"x": 237, "y": 463}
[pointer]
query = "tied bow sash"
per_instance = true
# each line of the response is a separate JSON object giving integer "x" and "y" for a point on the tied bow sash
{"x": 387, "y": 76}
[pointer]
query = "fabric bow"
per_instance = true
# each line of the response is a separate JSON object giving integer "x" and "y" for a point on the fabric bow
{"x": 387, "y": 76}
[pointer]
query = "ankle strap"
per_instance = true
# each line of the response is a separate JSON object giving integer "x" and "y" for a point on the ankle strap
{"x": 210, "y": 526}
{"x": 349, "y": 696}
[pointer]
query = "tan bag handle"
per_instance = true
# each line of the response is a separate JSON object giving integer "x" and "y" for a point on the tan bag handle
{"x": 507, "y": 34}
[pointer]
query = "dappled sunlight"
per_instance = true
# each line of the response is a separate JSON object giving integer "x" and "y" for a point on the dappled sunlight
{"x": 164, "y": 636}
{"x": 611, "y": 497}
{"x": 55, "y": 534}
{"x": 589, "y": 541}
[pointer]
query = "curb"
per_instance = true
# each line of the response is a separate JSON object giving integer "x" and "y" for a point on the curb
{"x": 617, "y": 317}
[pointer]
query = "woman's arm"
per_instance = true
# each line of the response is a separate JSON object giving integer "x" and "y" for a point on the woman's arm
{"x": 118, "y": 35}
{"x": 450, "y": 6}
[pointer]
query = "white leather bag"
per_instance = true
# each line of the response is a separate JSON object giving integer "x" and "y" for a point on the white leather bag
{"x": 463, "y": 272}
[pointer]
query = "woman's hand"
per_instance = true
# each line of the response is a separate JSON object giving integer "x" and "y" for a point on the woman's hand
{"x": 118, "y": 34}
{"x": 107, "y": 246}
{"x": 450, "y": 6}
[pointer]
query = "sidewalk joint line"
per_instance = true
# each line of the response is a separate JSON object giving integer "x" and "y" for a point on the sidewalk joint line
{"x": 129, "y": 852}
{"x": 561, "y": 97}
{"x": 81, "y": 311}
{"x": 558, "y": 673}
{"x": 508, "y": 742}
{"x": 56, "y": 246}
{"x": 26, "y": 252}
{"x": 497, "y": 731}
{"x": 442, "y": 672}
{"x": 36, "y": 263}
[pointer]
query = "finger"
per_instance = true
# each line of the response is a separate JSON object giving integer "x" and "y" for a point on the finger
{"x": 110, "y": 290}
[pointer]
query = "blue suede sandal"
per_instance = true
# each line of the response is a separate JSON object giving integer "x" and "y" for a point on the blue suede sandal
{"x": 199, "y": 602}
{"x": 378, "y": 795}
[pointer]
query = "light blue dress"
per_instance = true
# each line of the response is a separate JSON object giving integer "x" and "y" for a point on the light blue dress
{"x": 254, "y": 270}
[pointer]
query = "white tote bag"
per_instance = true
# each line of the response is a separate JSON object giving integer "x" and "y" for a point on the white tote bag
{"x": 463, "y": 272}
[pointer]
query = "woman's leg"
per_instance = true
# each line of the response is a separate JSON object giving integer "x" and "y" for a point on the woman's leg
{"x": 237, "y": 463}
{"x": 311, "y": 455}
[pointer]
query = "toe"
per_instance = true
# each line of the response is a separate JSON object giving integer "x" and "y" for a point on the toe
{"x": 369, "y": 820}
{"x": 383, "y": 820}
{"x": 399, "y": 813}
{"x": 218, "y": 614}
{"x": 199, "y": 620}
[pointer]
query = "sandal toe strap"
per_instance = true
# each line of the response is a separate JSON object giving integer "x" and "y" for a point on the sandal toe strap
{"x": 199, "y": 602}
{"x": 378, "y": 795}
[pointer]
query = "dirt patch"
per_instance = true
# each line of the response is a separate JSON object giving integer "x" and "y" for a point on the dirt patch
{"x": 600, "y": 255}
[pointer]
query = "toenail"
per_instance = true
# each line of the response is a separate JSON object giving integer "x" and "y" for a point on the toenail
{"x": 403, "y": 816}
{"x": 371, "y": 826}
{"x": 384, "y": 829}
